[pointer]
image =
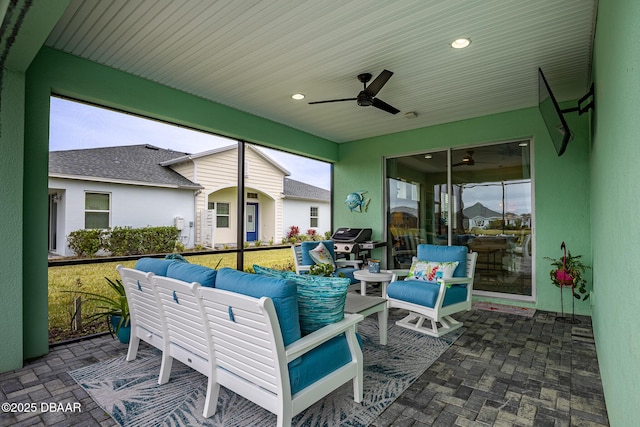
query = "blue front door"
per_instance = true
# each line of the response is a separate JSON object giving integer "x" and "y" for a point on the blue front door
{"x": 251, "y": 225}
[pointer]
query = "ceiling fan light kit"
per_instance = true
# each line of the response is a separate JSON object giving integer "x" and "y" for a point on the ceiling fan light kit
{"x": 367, "y": 96}
{"x": 467, "y": 160}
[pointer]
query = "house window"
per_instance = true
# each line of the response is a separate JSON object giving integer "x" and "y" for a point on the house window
{"x": 96, "y": 210}
{"x": 313, "y": 217}
{"x": 222, "y": 215}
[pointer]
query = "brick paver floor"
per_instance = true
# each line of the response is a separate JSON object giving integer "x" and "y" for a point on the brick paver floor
{"x": 505, "y": 370}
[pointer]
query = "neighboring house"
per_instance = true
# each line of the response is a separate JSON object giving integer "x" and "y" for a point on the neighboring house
{"x": 117, "y": 186}
{"x": 142, "y": 185}
{"x": 216, "y": 170}
{"x": 306, "y": 206}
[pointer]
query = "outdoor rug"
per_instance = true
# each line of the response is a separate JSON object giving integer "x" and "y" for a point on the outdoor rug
{"x": 503, "y": 308}
{"x": 130, "y": 393}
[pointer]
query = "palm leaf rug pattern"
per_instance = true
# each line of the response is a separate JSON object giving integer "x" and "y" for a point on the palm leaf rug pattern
{"x": 130, "y": 393}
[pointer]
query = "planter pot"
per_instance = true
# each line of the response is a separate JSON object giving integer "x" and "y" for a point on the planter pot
{"x": 124, "y": 334}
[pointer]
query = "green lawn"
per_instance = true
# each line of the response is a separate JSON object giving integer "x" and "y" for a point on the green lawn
{"x": 91, "y": 278}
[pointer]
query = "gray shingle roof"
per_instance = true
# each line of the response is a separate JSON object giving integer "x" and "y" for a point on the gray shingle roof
{"x": 300, "y": 190}
{"x": 136, "y": 163}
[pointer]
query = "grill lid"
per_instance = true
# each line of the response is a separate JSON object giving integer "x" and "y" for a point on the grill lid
{"x": 351, "y": 235}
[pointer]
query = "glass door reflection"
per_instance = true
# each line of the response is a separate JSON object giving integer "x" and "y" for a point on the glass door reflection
{"x": 486, "y": 208}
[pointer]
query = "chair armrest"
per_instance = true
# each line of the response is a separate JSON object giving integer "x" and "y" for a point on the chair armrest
{"x": 356, "y": 263}
{"x": 456, "y": 281}
{"x": 304, "y": 269}
{"x": 397, "y": 274}
{"x": 314, "y": 339}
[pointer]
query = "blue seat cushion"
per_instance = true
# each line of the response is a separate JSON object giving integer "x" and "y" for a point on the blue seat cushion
{"x": 283, "y": 293}
{"x": 318, "y": 363}
{"x": 425, "y": 293}
{"x": 192, "y": 273}
{"x": 439, "y": 253}
{"x": 156, "y": 266}
{"x": 348, "y": 273}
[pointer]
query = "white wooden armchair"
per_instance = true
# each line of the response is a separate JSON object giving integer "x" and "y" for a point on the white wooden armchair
{"x": 431, "y": 304}
{"x": 249, "y": 356}
{"x": 146, "y": 316}
{"x": 184, "y": 331}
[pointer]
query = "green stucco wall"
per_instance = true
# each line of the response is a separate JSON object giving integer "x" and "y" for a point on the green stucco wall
{"x": 561, "y": 184}
{"x": 25, "y": 26}
{"x": 11, "y": 225}
{"x": 615, "y": 206}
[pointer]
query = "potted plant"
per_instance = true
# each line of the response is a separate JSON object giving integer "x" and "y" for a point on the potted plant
{"x": 114, "y": 307}
{"x": 324, "y": 269}
{"x": 567, "y": 271}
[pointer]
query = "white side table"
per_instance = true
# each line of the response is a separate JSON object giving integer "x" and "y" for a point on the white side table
{"x": 366, "y": 306}
{"x": 365, "y": 277}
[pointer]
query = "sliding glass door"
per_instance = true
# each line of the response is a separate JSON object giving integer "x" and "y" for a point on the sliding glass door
{"x": 479, "y": 197}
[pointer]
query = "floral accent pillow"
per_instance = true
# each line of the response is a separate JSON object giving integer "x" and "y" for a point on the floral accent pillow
{"x": 321, "y": 255}
{"x": 431, "y": 271}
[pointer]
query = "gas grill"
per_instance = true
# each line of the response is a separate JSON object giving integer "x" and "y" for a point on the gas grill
{"x": 348, "y": 240}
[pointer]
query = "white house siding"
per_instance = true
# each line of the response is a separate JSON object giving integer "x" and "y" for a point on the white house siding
{"x": 217, "y": 173}
{"x": 131, "y": 205}
{"x": 297, "y": 212}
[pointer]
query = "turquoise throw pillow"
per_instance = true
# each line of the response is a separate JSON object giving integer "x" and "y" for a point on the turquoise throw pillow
{"x": 266, "y": 271}
{"x": 320, "y": 299}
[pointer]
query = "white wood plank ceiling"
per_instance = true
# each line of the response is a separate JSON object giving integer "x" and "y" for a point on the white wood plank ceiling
{"x": 253, "y": 55}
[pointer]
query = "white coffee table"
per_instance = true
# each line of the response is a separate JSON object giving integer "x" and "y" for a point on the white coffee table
{"x": 365, "y": 277}
{"x": 366, "y": 305}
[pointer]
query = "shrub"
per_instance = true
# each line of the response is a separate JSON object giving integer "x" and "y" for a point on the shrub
{"x": 85, "y": 243}
{"x": 159, "y": 240}
{"x": 124, "y": 241}
{"x": 293, "y": 232}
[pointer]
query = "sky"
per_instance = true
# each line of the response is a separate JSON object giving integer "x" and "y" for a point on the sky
{"x": 517, "y": 196}
{"x": 75, "y": 125}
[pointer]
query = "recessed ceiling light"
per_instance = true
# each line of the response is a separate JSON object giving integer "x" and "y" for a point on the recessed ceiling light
{"x": 460, "y": 43}
{"x": 523, "y": 144}
{"x": 428, "y": 156}
{"x": 298, "y": 96}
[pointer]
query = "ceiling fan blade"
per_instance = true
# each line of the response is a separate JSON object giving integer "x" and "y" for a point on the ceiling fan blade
{"x": 333, "y": 100}
{"x": 379, "y": 81}
{"x": 378, "y": 103}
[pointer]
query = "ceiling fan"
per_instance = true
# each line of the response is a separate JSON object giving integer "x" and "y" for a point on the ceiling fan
{"x": 367, "y": 96}
{"x": 466, "y": 160}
